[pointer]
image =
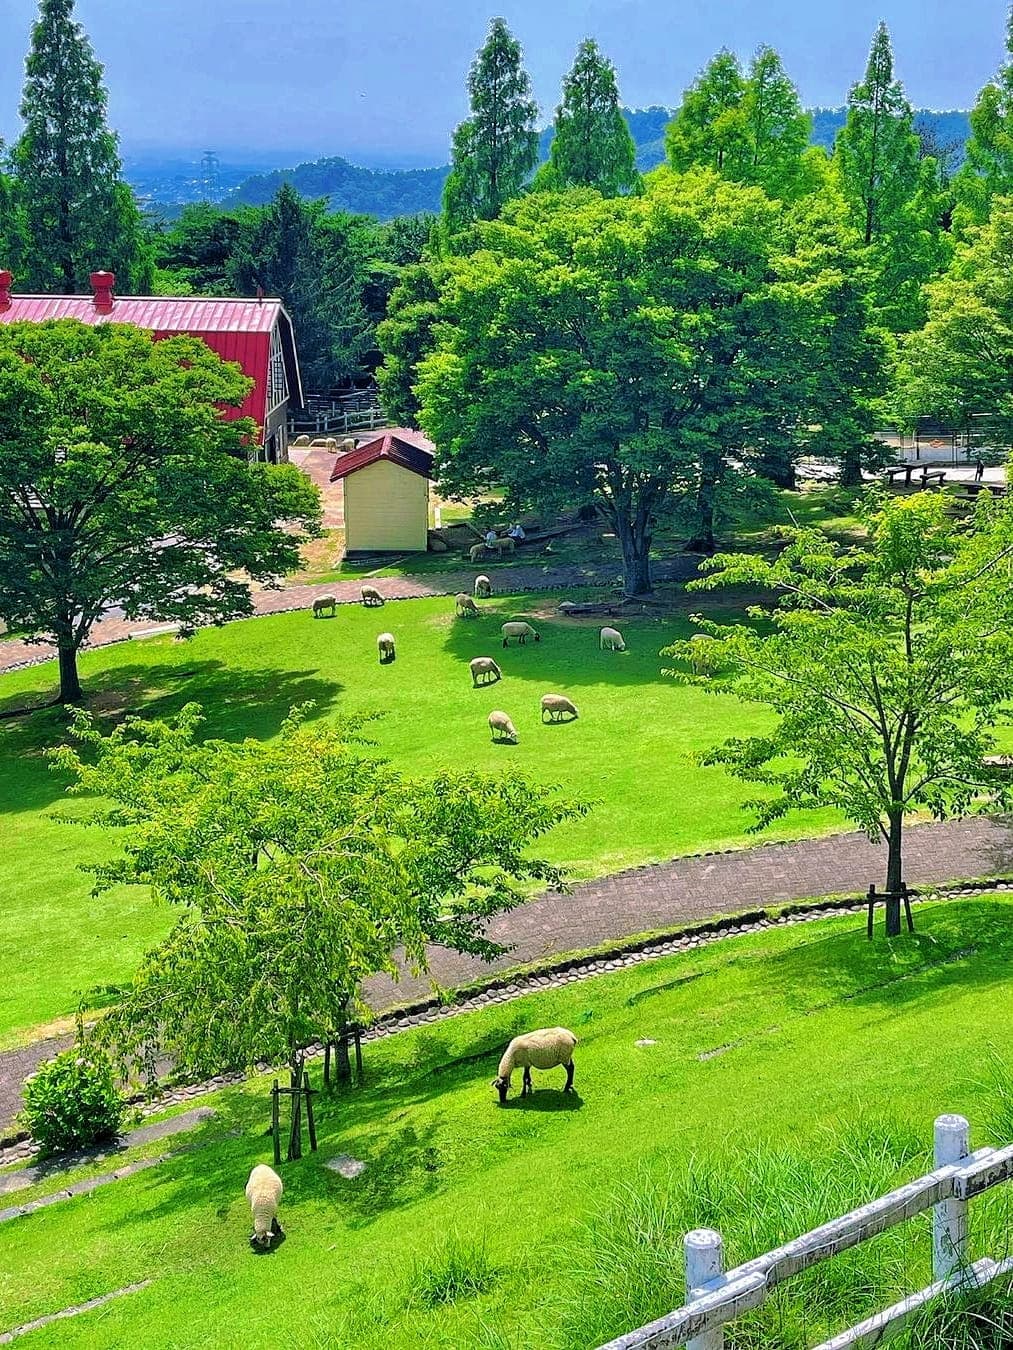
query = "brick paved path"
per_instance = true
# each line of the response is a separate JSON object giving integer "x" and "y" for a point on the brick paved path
{"x": 508, "y": 580}
{"x": 665, "y": 896}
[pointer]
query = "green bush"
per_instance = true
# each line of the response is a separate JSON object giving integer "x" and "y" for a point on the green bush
{"x": 72, "y": 1102}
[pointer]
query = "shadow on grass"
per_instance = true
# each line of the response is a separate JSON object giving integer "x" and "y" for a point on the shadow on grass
{"x": 546, "y": 1099}
{"x": 237, "y": 702}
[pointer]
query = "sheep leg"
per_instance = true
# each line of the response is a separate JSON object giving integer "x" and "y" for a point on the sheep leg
{"x": 526, "y": 1087}
{"x": 569, "y": 1077}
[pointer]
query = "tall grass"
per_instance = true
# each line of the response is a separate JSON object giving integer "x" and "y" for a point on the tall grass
{"x": 457, "y": 1269}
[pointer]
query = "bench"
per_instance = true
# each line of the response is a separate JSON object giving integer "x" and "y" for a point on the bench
{"x": 906, "y": 469}
{"x": 937, "y": 476}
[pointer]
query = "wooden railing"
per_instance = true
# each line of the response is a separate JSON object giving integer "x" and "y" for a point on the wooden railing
{"x": 717, "y": 1297}
{"x": 349, "y": 412}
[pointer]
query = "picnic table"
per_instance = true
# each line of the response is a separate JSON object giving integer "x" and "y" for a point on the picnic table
{"x": 928, "y": 475}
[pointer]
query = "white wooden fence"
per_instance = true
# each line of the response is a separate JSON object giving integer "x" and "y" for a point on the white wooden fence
{"x": 717, "y": 1296}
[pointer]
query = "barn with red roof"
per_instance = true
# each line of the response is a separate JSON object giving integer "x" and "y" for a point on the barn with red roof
{"x": 255, "y": 334}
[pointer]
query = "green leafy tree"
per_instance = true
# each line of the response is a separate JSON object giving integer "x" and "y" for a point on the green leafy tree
{"x": 406, "y": 336}
{"x": 960, "y": 365}
{"x": 196, "y": 250}
{"x": 122, "y": 483}
{"x": 296, "y": 868}
{"x": 777, "y": 129}
{"x": 76, "y": 209}
{"x": 987, "y": 170}
{"x": 709, "y": 128}
{"x": 888, "y": 663}
{"x": 591, "y": 145}
{"x": 618, "y": 350}
{"x": 496, "y": 148}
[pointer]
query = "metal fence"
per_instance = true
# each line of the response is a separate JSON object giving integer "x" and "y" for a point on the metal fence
{"x": 717, "y": 1296}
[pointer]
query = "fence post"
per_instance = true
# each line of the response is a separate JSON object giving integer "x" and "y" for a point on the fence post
{"x": 949, "y": 1217}
{"x": 704, "y": 1253}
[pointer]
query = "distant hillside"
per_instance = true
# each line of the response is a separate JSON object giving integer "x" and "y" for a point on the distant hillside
{"x": 386, "y": 193}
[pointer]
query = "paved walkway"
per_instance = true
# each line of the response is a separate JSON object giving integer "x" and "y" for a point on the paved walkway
{"x": 666, "y": 896}
{"x": 508, "y": 580}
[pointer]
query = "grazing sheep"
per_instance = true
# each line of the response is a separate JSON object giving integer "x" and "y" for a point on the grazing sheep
{"x": 465, "y": 607}
{"x": 300, "y": 442}
{"x": 332, "y": 443}
{"x": 482, "y": 587}
{"x": 484, "y": 666}
{"x": 702, "y": 656}
{"x": 502, "y": 728}
{"x": 263, "y": 1190}
{"x": 385, "y": 646}
{"x": 545, "y": 1049}
{"x": 556, "y": 705}
{"x": 611, "y": 638}
{"x": 323, "y": 602}
{"x": 476, "y": 551}
{"x": 504, "y": 545}
{"x": 519, "y": 629}
{"x": 347, "y": 445}
{"x": 371, "y": 597}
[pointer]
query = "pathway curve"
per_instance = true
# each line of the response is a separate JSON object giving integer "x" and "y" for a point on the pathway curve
{"x": 508, "y": 580}
{"x": 665, "y": 896}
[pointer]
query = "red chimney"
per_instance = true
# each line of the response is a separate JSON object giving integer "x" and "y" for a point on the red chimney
{"x": 102, "y": 284}
{"x": 5, "y": 290}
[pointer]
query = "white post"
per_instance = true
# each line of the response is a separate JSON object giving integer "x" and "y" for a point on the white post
{"x": 949, "y": 1217}
{"x": 704, "y": 1252}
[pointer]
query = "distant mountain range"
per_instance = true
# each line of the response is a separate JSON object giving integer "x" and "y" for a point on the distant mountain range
{"x": 391, "y": 192}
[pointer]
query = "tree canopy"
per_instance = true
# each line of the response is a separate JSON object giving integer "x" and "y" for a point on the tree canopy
{"x": 74, "y": 207}
{"x": 888, "y": 663}
{"x": 987, "y": 171}
{"x": 296, "y": 868}
{"x": 591, "y": 143}
{"x": 495, "y": 149}
{"x": 122, "y": 483}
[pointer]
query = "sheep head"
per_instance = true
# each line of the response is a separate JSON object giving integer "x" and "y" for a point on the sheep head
{"x": 502, "y": 1086}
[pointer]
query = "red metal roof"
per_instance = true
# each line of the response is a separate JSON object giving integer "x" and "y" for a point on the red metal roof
{"x": 238, "y": 330}
{"x": 406, "y": 454}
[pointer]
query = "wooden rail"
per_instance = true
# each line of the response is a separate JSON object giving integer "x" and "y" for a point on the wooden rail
{"x": 717, "y": 1297}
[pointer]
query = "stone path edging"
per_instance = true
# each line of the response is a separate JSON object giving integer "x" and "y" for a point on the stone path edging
{"x": 554, "y": 975}
{"x": 23, "y": 1330}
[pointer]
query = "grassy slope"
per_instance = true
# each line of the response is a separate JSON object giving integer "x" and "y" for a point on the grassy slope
{"x": 630, "y": 752}
{"x": 814, "y": 1030}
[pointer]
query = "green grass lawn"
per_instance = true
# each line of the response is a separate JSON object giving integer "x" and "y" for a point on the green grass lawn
{"x": 792, "y": 1074}
{"x": 630, "y": 753}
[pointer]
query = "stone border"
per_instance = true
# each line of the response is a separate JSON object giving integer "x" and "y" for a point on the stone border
{"x": 555, "y": 974}
{"x": 8, "y": 1336}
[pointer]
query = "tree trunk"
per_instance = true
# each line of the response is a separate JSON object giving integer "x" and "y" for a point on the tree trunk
{"x": 851, "y": 469}
{"x": 70, "y": 683}
{"x": 894, "y": 874}
{"x": 295, "y": 1097}
{"x": 635, "y": 543}
{"x": 779, "y": 469}
{"x": 706, "y": 501}
{"x": 342, "y": 1061}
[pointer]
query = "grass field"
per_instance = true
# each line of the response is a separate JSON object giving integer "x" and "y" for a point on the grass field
{"x": 791, "y": 1075}
{"x": 630, "y": 753}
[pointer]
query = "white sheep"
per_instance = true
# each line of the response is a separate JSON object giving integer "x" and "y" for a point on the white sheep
{"x": 263, "y": 1190}
{"x": 702, "y": 657}
{"x": 519, "y": 629}
{"x": 611, "y": 638}
{"x": 556, "y": 705}
{"x": 300, "y": 442}
{"x": 385, "y": 646}
{"x": 484, "y": 666}
{"x": 483, "y": 587}
{"x": 502, "y": 728}
{"x": 465, "y": 607}
{"x": 347, "y": 445}
{"x": 476, "y": 551}
{"x": 371, "y": 597}
{"x": 504, "y": 545}
{"x": 323, "y": 602}
{"x": 545, "y": 1049}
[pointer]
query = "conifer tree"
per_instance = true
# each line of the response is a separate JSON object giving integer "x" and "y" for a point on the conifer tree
{"x": 709, "y": 128}
{"x": 76, "y": 210}
{"x": 877, "y": 148}
{"x": 592, "y": 145}
{"x": 496, "y": 148}
{"x": 776, "y": 128}
{"x": 987, "y": 171}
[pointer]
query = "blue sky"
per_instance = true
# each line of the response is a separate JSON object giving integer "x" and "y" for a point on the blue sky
{"x": 386, "y": 78}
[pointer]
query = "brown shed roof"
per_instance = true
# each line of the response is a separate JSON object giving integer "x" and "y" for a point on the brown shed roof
{"x": 393, "y": 445}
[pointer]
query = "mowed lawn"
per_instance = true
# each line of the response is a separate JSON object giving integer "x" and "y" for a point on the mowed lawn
{"x": 786, "y": 1076}
{"x": 630, "y": 754}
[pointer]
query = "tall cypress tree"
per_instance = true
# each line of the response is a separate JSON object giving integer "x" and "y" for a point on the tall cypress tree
{"x": 987, "y": 171}
{"x": 776, "y": 128}
{"x": 76, "y": 210}
{"x": 709, "y": 128}
{"x": 592, "y": 145}
{"x": 877, "y": 149}
{"x": 496, "y": 148}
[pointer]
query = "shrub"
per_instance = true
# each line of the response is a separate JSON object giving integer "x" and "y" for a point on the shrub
{"x": 72, "y": 1102}
{"x": 457, "y": 1269}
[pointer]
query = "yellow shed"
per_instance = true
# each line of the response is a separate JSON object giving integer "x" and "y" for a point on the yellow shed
{"x": 386, "y": 489}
